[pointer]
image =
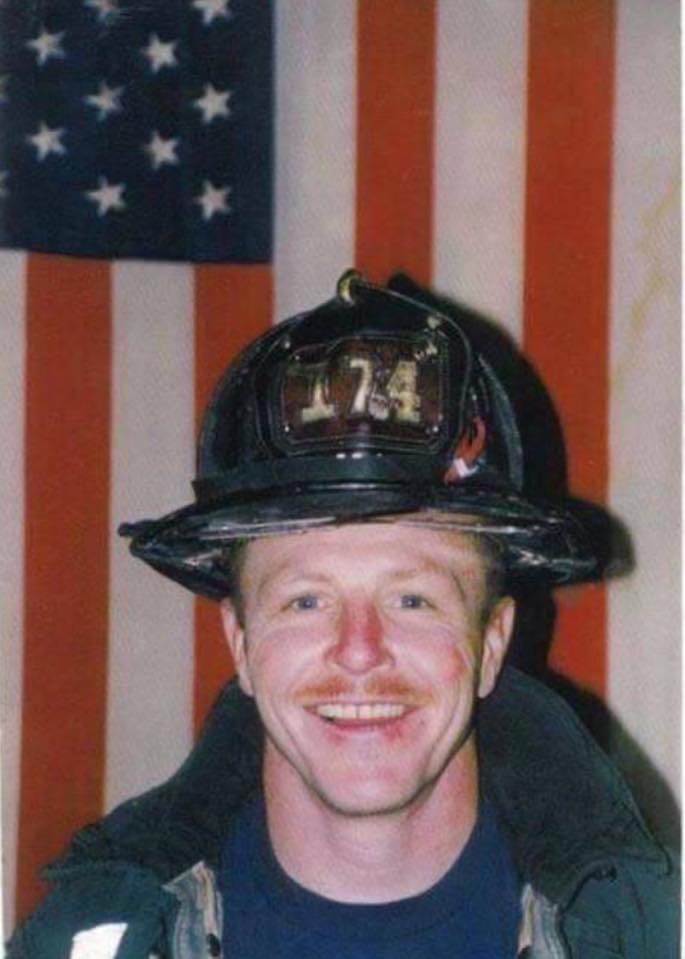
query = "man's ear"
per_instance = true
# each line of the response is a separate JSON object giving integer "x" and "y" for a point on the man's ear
{"x": 235, "y": 637}
{"x": 496, "y": 638}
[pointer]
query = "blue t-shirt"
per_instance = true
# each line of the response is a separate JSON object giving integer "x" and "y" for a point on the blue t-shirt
{"x": 472, "y": 912}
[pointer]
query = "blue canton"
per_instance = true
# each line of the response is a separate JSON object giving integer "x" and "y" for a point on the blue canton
{"x": 137, "y": 128}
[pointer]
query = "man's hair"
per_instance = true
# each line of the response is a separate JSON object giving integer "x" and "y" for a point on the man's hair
{"x": 488, "y": 547}
{"x": 231, "y": 563}
{"x": 496, "y": 583}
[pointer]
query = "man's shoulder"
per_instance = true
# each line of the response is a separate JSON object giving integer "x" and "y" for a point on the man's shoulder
{"x": 577, "y": 836}
{"x": 126, "y": 868}
{"x": 91, "y": 910}
{"x": 561, "y": 799}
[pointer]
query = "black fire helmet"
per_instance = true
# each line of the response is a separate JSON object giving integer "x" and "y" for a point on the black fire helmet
{"x": 372, "y": 406}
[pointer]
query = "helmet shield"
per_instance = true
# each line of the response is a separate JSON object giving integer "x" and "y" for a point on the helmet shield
{"x": 369, "y": 393}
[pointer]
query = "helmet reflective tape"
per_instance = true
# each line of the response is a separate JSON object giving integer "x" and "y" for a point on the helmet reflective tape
{"x": 372, "y": 391}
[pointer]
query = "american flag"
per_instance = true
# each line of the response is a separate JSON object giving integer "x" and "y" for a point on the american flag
{"x": 522, "y": 157}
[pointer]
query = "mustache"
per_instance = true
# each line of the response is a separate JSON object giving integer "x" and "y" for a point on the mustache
{"x": 377, "y": 687}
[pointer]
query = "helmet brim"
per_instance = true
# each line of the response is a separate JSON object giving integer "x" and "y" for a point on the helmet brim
{"x": 541, "y": 544}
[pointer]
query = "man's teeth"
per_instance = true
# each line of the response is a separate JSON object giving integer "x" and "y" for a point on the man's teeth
{"x": 367, "y": 711}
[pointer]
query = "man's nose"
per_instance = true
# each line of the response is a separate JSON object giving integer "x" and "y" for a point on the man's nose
{"x": 360, "y": 643}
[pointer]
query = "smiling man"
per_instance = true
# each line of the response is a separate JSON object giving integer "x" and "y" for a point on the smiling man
{"x": 377, "y": 783}
{"x": 366, "y": 676}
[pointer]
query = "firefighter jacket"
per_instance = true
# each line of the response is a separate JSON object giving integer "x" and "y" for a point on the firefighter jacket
{"x": 141, "y": 883}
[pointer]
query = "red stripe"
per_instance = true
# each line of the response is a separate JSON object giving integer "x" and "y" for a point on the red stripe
{"x": 233, "y": 304}
{"x": 66, "y": 558}
{"x": 570, "y": 111}
{"x": 395, "y": 107}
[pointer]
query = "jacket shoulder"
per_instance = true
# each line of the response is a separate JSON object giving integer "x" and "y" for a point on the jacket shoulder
{"x": 94, "y": 911}
{"x": 626, "y": 909}
{"x": 114, "y": 870}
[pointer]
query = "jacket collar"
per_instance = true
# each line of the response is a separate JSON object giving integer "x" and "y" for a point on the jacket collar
{"x": 566, "y": 809}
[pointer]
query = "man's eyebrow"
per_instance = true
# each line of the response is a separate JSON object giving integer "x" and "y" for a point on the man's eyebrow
{"x": 435, "y": 569}
{"x": 284, "y": 573}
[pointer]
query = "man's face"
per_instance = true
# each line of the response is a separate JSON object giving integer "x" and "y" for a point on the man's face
{"x": 365, "y": 649}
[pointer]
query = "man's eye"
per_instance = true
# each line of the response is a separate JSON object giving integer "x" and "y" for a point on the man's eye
{"x": 304, "y": 603}
{"x": 413, "y": 601}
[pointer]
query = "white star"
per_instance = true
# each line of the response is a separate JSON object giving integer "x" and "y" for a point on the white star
{"x": 47, "y": 140}
{"x": 213, "y": 200}
{"x": 105, "y": 9}
{"x": 108, "y": 196}
{"x": 211, "y": 9}
{"x": 213, "y": 103}
{"x": 160, "y": 54}
{"x": 161, "y": 151}
{"x": 47, "y": 45}
{"x": 107, "y": 100}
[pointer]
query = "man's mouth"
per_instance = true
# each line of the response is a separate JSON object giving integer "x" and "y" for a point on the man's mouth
{"x": 360, "y": 712}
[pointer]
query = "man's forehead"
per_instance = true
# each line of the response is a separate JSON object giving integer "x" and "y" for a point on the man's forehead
{"x": 407, "y": 535}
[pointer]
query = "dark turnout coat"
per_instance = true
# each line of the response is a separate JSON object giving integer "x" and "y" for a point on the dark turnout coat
{"x": 141, "y": 881}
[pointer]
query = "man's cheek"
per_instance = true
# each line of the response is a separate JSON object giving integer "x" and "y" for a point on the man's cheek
{"x": 460, "y": 664}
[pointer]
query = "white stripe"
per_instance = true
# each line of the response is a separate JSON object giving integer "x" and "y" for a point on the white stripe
{"x": 149, "y": 703}
{"x": 315, "y": 157}
{"x": 480, "y": 156}
{"x": 100, "y": 942}
{"x": 644, "y": 609}
{"x": 12, "y": 395}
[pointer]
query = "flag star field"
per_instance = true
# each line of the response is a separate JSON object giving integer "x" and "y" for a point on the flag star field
{"x": 128, "y": 125}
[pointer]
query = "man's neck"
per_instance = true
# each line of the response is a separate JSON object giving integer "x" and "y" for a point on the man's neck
{"x": 371, "y": 859}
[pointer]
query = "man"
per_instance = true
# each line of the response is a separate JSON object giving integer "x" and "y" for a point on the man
{"x": 361, "y": 517}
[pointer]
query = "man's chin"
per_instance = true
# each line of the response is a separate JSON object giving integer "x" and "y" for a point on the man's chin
{"x": 354, "y": 790}
{"x": 358, "y": 803}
